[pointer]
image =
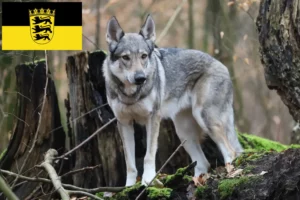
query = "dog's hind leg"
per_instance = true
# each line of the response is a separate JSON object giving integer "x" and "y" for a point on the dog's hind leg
{"x": 212, "y": 109}
{"x": 188, "y": 129}
{"x": 127, "y": 135}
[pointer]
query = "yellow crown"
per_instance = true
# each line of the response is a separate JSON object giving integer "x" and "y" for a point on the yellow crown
{"x": 41, "y": 12}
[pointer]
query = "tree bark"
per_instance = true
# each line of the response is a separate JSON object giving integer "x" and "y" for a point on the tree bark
{"x": 30, "y": 85}
{"x": 278, "y": 25}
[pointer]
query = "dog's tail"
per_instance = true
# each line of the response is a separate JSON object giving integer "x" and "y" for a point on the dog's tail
{"x": 232, "y": 134}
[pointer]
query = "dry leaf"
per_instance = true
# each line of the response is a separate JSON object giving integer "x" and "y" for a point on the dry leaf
{"x": 263, "y": 173}
{"x": 196, "y": 181}
{"x": 246, "y": 61}
{"x": 235, "y": 173}
{"x": 229, "y": 167}
{"x": 203, "y": 178}
{"x": 245, "y": 37}
{"x": 157, "y": 183}
{"x": 108, "y": 194}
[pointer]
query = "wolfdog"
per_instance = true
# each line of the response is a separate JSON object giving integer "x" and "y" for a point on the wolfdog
{"x": 145, "y": 84}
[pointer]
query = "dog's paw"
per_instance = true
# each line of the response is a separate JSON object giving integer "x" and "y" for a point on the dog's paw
{"x": 147, "y": 177}
{"x": 130, "y": 182}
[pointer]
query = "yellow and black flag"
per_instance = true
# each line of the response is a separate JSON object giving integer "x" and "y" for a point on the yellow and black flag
{"x": 42, "y": 26}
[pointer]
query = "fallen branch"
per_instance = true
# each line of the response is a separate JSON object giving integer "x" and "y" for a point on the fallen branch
{"x": 80, "y": 170}
{"x": 84, "y": 193}
{"x": 6, "y": 190}
{"x": 47, "y": 164}
{"x": 162, "y": 167}
{"x": 67, "y": 186}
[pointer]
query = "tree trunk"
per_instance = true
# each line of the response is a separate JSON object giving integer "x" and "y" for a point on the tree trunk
{"x": 30, "y": 85}
{"x": 278, "y": 25}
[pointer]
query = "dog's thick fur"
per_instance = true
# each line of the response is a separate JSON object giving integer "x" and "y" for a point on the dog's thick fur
{"x": 188, "y": 86}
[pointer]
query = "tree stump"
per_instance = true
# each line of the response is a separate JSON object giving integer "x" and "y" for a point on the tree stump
{"x": 31, "y": 80}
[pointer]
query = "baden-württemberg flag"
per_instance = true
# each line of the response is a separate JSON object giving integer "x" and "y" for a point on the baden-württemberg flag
{"x": 42, "y": 26}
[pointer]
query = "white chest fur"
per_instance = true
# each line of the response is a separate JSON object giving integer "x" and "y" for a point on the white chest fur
{"x": 140, "y": 111}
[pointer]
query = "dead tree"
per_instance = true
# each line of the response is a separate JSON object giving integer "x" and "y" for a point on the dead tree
{"x": 31, "y": 79}
{"x": 278, "y": 25}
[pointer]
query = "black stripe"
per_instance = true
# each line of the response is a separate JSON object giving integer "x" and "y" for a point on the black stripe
{"x": 66, "y": 13}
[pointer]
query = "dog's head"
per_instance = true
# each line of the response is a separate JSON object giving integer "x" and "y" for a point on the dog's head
{"x": 130, "y": 53}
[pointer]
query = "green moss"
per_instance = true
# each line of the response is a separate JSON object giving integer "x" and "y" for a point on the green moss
{"x": 35, "y": 61}
{"x": 100, "y": 194}
{"x": 249, "y": 156}
{"x": 294, "y": 146}
{"x": 254, "y": 142}
{"x": 200, "y": 191}
{"x": 227, "y": 186}
{"x": 2, "y": 153}
{"x": 124, "y": 194}
{"x": 158, "y": 193}
{"x": 248, "y": 169}
{"x": 187, "y": 178}
{"x": 178, "y": 174}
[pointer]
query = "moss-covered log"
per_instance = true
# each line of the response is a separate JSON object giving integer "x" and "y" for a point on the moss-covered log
{"x": 278, "y": 27}
{"x": 266, "y": 171}
{"x": 31, "y": 79}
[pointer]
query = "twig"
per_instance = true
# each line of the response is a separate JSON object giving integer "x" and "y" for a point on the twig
{"x": 80, "y": 170}
{"x": 87, "y": 139}
{"x": 39, "y": 122}
{"x": 19, "y": 93}
{"x": 68, "y": 186}
{"x": 84, "y": 193}
{"x": 47, "y": 164}
{"x": 90, "y": 41}
{"x": 57, "y": 128}
{"x": 8, "y": 113}
{"x": 6, "y": 190}
{"x": 170, "y": 22}
{"x": 162, "y": 167}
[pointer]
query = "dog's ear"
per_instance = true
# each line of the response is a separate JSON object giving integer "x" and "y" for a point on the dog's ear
{"x": 114, "y": 31}
{"x": 148, "y": 29}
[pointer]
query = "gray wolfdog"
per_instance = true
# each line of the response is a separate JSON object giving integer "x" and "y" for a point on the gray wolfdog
{"x": 145, "y": 84}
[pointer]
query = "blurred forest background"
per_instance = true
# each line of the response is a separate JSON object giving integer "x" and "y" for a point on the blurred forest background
{"x": 223, "y": 28}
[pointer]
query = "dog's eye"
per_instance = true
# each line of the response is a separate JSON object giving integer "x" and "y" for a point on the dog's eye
{"x": 144, "y": 56}
{"x": 125, "y": 57}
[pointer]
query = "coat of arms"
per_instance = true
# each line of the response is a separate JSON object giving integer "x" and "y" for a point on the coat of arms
{"x": 41, "y": 25}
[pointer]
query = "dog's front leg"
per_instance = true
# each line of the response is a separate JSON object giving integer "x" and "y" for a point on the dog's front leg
{"x": 152, "y": 128}
{"x": 127, "y": 136}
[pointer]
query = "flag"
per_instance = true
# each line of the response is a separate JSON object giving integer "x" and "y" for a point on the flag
{"x": 41, "y": 25}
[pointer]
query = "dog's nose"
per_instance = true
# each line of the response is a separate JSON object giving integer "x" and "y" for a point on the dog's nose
{"x": 139, "y": 78}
